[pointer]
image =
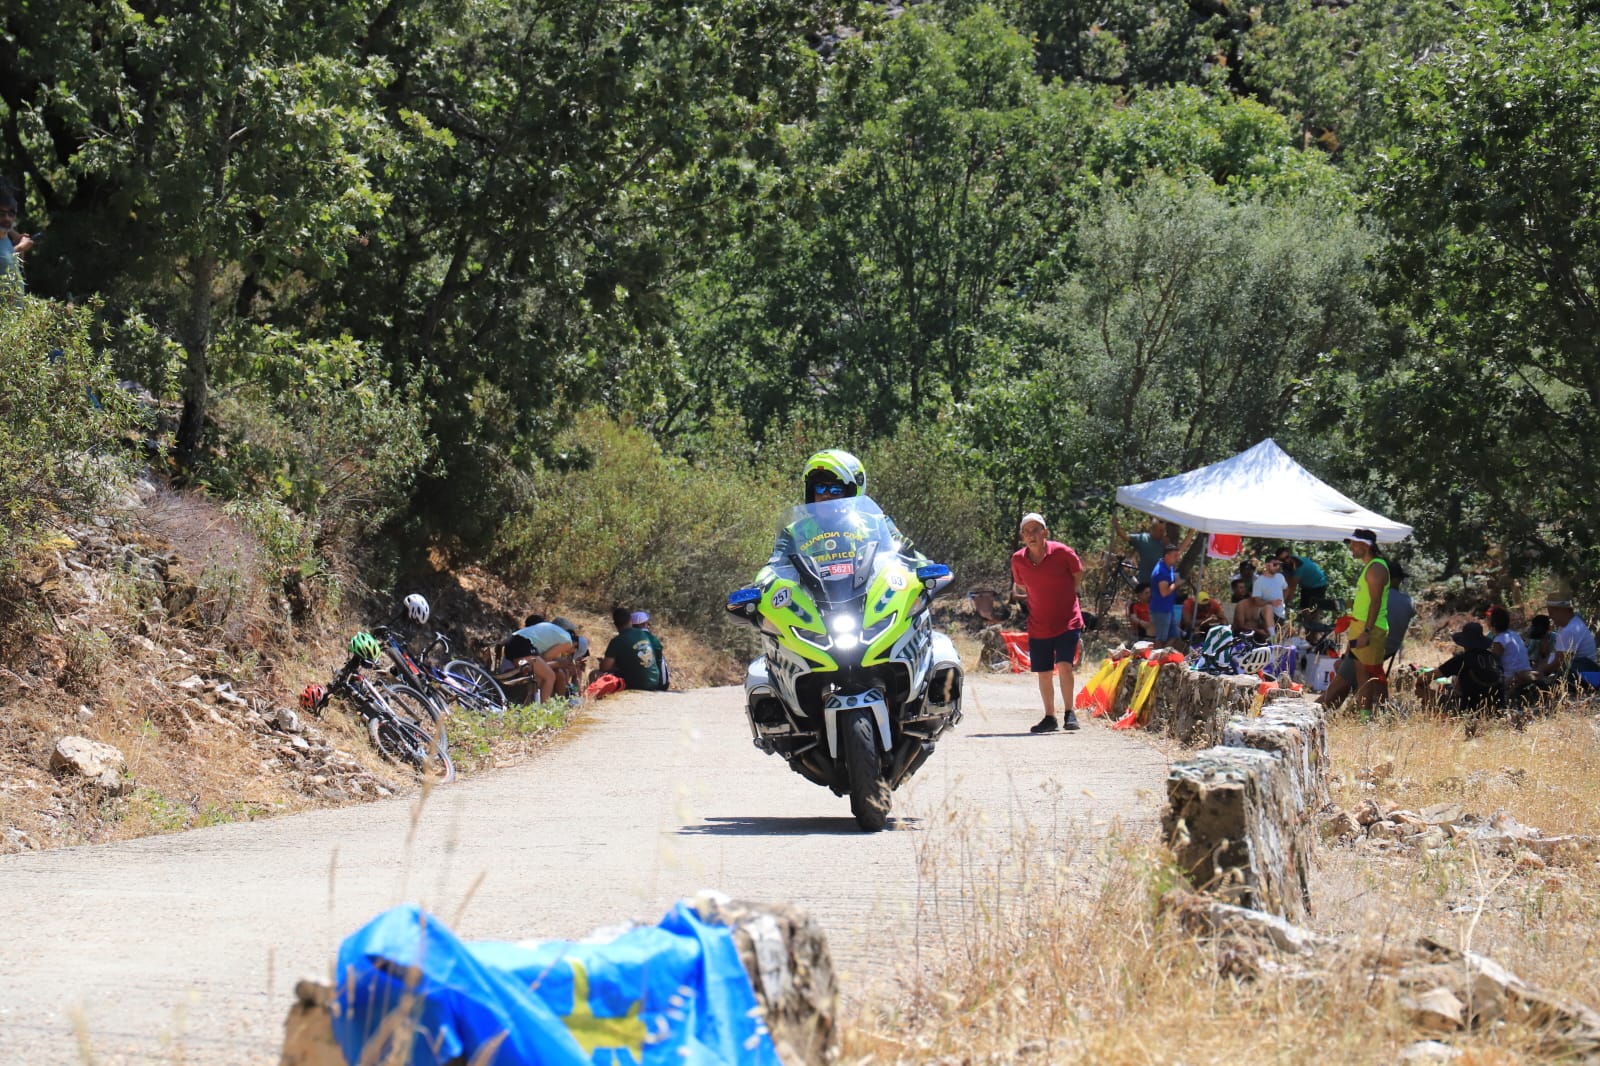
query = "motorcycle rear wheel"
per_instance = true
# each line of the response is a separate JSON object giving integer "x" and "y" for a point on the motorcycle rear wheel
{"x": 869, "y": 792}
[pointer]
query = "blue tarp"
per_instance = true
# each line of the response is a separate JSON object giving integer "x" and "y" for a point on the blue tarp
{"x": 671, "y": 993}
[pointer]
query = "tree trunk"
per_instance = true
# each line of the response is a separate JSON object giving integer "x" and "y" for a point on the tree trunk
{"x": 196, "y": 368}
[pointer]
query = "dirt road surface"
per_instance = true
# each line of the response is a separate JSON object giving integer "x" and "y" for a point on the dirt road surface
{"x": 184, "y": 948}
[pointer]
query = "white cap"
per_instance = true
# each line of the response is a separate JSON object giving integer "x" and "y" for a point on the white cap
{"x": 638, "y": 618}
{"x": 1032, "y": 516}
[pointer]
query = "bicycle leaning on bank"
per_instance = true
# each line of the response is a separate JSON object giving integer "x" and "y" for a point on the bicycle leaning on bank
{"x": 393, "y": 713}
{"x": 458, "y": 682}
{"x": 1116, "y": 578}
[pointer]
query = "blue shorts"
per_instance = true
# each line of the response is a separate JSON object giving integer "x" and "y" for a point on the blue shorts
{"x": 1045, "y": 654}
{"x": 1163, "y": 625}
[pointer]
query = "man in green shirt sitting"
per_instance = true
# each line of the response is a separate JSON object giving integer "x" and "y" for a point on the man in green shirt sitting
{"x": 634, "y": 654}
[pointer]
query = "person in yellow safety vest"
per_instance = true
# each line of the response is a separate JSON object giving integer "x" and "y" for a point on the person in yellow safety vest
{"x": 1369, "y": 616}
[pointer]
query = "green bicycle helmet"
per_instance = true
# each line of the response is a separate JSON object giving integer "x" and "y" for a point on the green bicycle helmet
{"x": 365, "y": 646}
{"x": 835, "y": 467}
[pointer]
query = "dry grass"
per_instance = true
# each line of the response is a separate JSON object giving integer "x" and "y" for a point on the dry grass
{"x": 1063, "y": 969}
{"x": 1072, "y": 972}
{"x": 1542, "y": 922}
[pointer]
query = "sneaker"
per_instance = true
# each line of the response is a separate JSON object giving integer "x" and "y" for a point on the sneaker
{"x": 1047, "y": 724}
{"x": 1070, "y": 723}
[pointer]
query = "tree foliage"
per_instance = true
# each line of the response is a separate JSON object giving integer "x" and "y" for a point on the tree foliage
{"x": 1192, "y": 327}
{"x": 1491, "y": 188}
{"x": 62, "y": 422}
{"x": 232, "y": 141}
{"x": 1016, "y": 253}
{"x": 932, "y": 179}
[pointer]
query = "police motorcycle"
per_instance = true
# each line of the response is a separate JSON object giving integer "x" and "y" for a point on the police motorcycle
{"x": 855, "y": 687}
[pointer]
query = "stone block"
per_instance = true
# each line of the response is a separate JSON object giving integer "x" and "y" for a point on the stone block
{"x": 1235, "y": 829}
{"x": 1193, "y": 708}
{"x": 1293, "y": 729}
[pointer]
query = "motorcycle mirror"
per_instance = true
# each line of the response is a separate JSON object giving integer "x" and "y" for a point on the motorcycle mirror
{"x": 931, "y": 573}
{"x": 741, "y": 598}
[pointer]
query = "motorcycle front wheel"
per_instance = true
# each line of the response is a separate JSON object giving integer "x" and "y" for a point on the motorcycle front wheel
{"x": 869, "y": 792}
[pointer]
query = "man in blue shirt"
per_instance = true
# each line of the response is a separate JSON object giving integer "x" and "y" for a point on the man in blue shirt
{"x": 1164, "y": 595}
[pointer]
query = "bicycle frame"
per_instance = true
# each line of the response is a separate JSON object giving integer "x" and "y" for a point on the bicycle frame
{"x": 1115, "y": 574}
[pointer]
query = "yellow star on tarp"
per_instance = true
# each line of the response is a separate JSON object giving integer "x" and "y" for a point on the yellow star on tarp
{"x": 592, "y": 1031}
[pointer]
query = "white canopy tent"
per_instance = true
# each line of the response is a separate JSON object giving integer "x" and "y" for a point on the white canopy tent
{"x": 1261, "y": 492}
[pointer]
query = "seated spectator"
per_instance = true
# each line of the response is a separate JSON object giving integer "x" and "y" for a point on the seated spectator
{"x": 1515, "y": 666}
{"x": 1139, "y": 612}
{"x": 1252, "y": 617}
{"x": 633, "y": 658}
{"x": 1200, "y": 613}
{"x": 987, "y": 605}
{"x": 1474, "y": 673}
{"x": 642, "y": 621}
{"x": 1238, "y": 592}
{"x": 1271, "y": 587}
{"x": 542, "y": 652}
{"x": 1245, "y": 573}
{"x": 1572, "y": 644}
{"x": 1538, "y": 639}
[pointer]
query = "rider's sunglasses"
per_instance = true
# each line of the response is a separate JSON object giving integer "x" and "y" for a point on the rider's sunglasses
{"x": 828, "y": 490}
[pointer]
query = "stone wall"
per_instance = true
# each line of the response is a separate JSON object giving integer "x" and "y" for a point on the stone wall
{"x": 1239, "y": 815}
{"x": 1191, "y": 708}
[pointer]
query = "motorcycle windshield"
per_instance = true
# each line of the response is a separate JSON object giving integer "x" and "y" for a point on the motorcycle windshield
{"x": 836, "y": 542}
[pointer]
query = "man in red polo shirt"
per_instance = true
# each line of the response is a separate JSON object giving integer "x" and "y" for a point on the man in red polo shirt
{"x": 1045, "y": 572}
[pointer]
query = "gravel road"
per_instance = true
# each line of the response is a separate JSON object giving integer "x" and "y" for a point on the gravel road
{"x": 184, "y": 948}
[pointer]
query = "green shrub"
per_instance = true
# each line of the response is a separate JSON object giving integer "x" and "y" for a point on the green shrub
{"x": 316, "y": 426}
{"x": 61, "y": 417}
{"x": 638, "y": 526}
{"x": 923, "y": 480}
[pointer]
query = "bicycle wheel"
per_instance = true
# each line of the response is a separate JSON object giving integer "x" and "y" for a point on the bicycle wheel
{"x": 401, "y": 741}
{"x": 476, "y": 687}
{"x": 426, "y": 711}
{"x": 1106, "y": 601}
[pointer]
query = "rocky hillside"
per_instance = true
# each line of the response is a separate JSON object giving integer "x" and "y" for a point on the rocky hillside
{"x": 141, "y": 670}
{"x": 149, "y": 672}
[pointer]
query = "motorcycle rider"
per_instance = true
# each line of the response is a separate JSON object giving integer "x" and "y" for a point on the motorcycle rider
{"x": 830, "y": 475}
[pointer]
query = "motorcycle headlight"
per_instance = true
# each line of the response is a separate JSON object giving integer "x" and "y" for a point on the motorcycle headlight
{"x": 820, "y": 643}
{"x": 878, "y": 628}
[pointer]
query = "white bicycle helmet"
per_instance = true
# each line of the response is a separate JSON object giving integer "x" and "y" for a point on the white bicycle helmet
{"x": 417, "y": 608}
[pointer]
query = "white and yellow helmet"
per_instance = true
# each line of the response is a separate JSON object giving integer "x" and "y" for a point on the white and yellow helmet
{"x": 832, "y": 466}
